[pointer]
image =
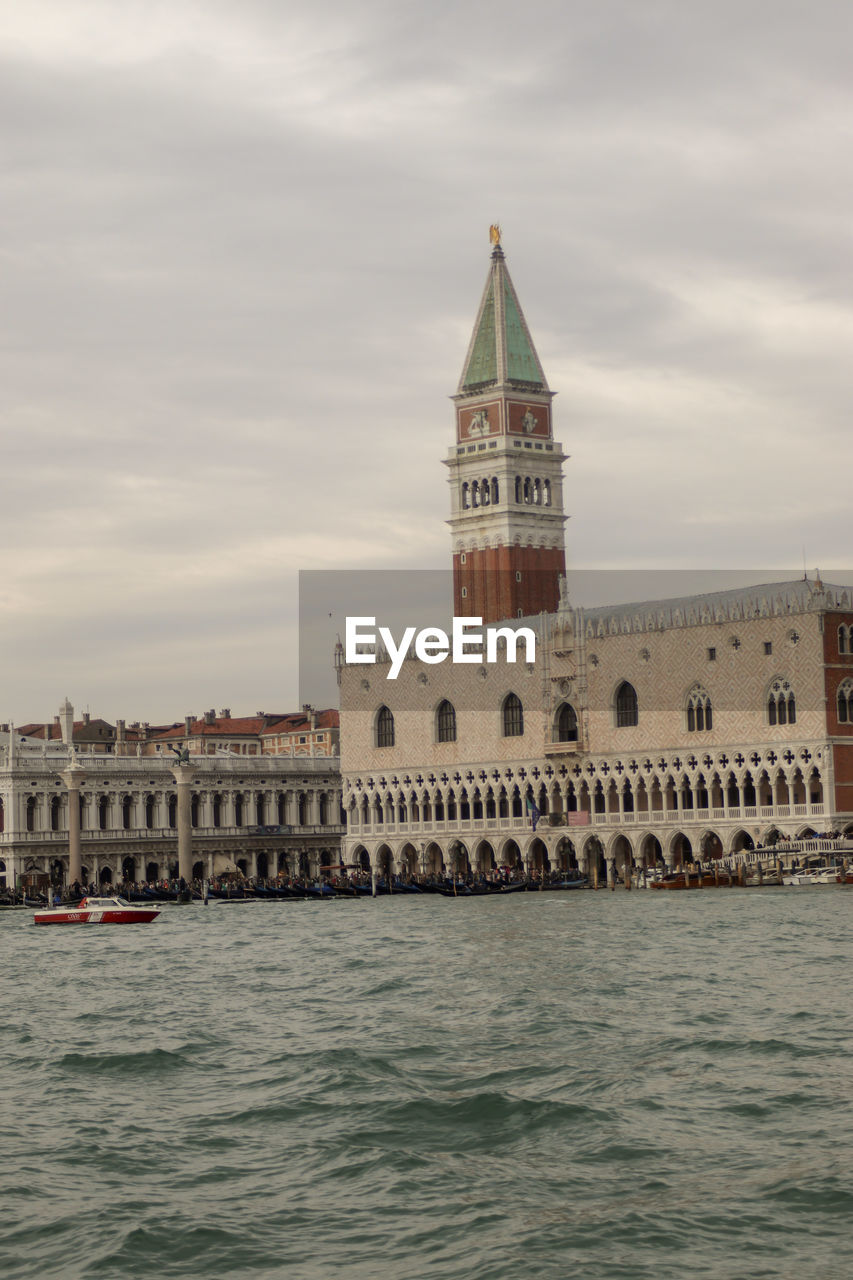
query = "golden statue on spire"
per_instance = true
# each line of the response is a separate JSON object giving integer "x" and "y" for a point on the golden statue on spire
{"x": 495, "y": 235}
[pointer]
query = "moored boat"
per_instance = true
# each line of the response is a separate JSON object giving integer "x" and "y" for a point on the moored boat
{"x": 812, "y": 875}
{"x": 98, "y": 911}
{"x": 676, "y": 880}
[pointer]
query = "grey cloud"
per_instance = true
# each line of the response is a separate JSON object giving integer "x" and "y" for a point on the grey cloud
{"x": 243, "y": 252}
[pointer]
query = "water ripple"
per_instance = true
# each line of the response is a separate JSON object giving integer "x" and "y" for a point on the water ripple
{"x": 600, "y": 1084}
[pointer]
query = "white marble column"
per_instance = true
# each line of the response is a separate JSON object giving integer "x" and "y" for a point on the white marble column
{"x": 73, "y": 776}
{"x": 183, "y": 775}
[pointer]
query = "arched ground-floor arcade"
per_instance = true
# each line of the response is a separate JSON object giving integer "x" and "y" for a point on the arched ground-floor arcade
{"x": 603, "y": 855}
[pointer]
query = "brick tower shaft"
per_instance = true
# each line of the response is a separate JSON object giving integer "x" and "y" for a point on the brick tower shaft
{"x": 506, "y": 469}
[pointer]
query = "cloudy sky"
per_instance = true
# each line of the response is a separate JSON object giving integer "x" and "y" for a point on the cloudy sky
{"x": 243, "y": 243}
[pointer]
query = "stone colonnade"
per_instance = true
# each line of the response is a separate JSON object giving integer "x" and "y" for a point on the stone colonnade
{"x": 76, "y": 820}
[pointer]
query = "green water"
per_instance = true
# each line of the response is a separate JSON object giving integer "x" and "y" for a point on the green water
{"x": 603, "y": 1085}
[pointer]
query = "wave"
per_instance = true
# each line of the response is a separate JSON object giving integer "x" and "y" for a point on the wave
{"x": 129, "y": 1063}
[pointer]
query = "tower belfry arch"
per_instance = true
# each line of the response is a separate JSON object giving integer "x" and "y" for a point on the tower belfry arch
{"x": 506, "y": 468}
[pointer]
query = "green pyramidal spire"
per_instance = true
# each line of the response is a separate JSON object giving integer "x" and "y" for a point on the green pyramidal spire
{"x": 501, "y": 351}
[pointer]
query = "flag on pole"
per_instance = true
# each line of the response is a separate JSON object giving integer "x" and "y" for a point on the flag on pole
{"x": 535, "y": 813}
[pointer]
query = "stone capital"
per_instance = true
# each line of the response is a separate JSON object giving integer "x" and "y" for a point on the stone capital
{"x": 74, "y": 776}
{"x": 183, "y": 773}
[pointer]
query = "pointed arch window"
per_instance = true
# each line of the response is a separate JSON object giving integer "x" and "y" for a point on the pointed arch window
{"x": 844, "y": 639}
{"x": 844, "y": 702}
{"x": 384, "y": 728}
{"x": 627, "y": 707}
{"x": 446, "y": 722}
{"x": 781, "y": 703}
{"x": 699, "y": 710}
{"x": 513, "y": 717}
{"x": 566, "y": 723}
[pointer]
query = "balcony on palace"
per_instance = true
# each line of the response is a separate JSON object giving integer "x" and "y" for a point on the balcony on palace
{"x": 652, "y": 818}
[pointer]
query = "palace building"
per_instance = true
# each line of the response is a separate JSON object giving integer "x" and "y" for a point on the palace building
{"x": 663, "y": 730}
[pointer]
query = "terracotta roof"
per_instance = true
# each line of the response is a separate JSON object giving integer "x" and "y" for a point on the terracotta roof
{"x": 54, "y": 731}
{"x": 298, "y": 722}
{"x": 220, "y": 727}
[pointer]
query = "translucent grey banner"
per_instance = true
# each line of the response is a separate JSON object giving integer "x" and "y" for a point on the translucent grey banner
{"x": 728, "y": 632}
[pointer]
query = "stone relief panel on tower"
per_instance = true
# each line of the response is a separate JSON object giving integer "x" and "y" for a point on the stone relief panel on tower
{"x": 529, "y": 419}
{"x": 484, "y": 420}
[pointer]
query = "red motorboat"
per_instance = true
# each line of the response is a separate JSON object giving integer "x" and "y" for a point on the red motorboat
{"x": 98, "y": 911}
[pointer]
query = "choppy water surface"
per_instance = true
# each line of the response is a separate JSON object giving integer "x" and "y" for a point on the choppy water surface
{"x": 609, "y": 1085}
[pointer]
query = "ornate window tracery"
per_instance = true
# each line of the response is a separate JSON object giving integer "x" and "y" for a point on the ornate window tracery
{"x": 781, "y": 703}
{"x": 699, "y": 710}
{"x": 844, "y": 702}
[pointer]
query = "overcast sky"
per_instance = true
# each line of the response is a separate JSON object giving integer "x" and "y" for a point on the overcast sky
{"x": 243, "y": 244}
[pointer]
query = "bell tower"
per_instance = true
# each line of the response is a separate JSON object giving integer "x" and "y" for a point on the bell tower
{"x": 506, "y": 469}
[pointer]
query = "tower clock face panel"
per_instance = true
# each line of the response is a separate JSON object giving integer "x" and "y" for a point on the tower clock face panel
{"x": 476, "y": 423}
{"x": 529, "y": 419}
